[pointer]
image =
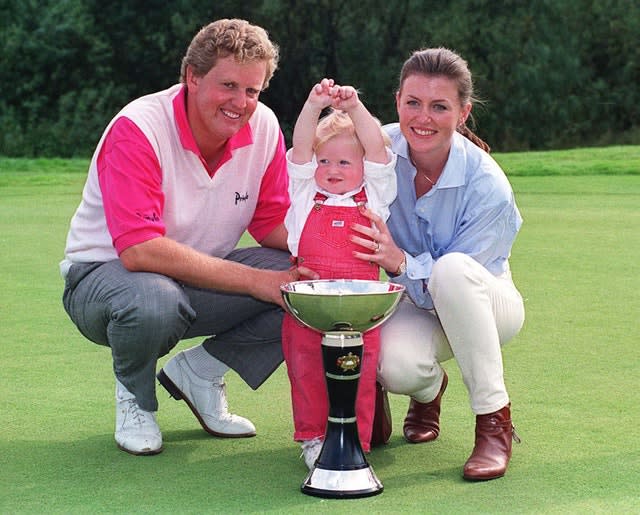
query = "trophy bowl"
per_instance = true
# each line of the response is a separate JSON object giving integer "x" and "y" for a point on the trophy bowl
{"x": 341, "y": 304}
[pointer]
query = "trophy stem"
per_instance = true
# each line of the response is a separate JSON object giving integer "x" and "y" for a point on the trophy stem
{"x": 342, "y": 471}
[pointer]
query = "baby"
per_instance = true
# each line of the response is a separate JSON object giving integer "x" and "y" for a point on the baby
{"x": 337, "y": 165}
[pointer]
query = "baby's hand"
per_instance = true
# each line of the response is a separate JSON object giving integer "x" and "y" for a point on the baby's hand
{"x": 345, "y": 98}
{"x": 321, "y": 94}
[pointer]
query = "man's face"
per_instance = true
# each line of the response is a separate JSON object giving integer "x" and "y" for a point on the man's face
{"x": 223, "y": 100}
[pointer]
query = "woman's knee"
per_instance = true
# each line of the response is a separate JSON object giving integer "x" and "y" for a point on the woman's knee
{"x": 409, "y": 349}
{"x": 406, "y": 381}
{"x": 455, "y": 275}
{"x": 448, "y": 270}
{"x": 402, "y": 374}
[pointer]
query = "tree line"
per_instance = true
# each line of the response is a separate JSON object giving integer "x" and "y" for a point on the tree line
{"x": 549, "y": 73}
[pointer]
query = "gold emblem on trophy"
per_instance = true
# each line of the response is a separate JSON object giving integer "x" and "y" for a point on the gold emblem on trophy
{"x": 348, "y": 362}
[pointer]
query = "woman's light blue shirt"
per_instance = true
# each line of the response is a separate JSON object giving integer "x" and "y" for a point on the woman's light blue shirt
{"x": 471, "y": 209}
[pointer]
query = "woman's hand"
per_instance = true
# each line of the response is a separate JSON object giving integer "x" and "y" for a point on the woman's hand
{"x": 377, "y": 244}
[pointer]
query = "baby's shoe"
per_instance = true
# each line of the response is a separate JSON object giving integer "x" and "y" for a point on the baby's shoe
{"x": 311, "y": 450}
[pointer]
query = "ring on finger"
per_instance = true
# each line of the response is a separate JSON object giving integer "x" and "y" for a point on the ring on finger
{"x": 377, "y": 249}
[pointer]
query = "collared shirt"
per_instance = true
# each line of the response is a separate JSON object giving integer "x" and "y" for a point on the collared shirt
{"x": 471, "y": 209}
{"x": 148, "y": 178}
{"x": 240, "y": 139}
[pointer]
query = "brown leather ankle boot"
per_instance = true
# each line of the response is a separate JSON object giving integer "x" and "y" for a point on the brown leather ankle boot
{"x": 382, "y": 425}
{"x": 422, "y": 423}
{"x": 492, "y": 451}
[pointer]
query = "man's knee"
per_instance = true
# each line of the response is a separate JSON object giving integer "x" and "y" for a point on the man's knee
{"x": 162, "y": 310}
{"x": 154, "y": 318}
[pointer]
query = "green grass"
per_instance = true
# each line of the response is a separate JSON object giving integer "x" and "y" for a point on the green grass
{"x": 621, "y": 160}
{"x": 572, "y": 374}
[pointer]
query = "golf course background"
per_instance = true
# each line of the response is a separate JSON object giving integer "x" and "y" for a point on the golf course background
{"x": 573, "y": 374}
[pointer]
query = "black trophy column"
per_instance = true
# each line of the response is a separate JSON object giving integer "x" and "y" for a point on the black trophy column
{"x": 342, "y": 359}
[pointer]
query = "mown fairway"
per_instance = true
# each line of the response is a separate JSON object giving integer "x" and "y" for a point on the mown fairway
{"x": 573, "y": 374}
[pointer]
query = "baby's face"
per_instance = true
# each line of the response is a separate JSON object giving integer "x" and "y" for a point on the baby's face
{"x": 340, "y": 164}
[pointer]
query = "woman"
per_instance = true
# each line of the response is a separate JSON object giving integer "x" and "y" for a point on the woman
{"x": 448, "y": 240}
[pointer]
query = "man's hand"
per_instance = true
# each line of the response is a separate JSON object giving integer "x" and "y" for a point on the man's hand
{"x": 268, "y": 287}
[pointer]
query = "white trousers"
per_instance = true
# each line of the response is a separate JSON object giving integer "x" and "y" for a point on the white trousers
{"x": 475, "y": 314}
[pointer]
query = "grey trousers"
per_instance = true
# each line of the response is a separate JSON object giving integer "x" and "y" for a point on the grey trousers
{"x": 142, "y": 316}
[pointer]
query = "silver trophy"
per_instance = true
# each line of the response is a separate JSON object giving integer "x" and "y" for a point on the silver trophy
{"x": 341, "y": 310}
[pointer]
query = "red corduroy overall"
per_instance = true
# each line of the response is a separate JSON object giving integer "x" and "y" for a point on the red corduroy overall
{"x": 325, "y": 248}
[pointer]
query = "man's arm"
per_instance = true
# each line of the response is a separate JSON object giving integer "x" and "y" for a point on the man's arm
{"x": 140, "y": 240}
{"x": 276, "y": 239}
{"x": 168, "y": 257}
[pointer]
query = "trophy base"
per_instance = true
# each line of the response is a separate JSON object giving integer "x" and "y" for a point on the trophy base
{"x": 342, "y": 484}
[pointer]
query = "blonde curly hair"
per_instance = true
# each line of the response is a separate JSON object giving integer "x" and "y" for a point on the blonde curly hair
{"x": 339, "y": 122}
{"x": 229, "y": 37}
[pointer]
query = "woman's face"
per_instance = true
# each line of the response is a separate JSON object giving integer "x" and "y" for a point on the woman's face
{"x": 429, "y": 111}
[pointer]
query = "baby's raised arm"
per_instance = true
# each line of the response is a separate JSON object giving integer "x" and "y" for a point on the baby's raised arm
{"x": 367, "y": 127}
{"x": 305, "y": 129}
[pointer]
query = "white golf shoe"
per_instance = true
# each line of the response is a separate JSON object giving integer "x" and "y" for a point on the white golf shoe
{"x": 311, "y": 451}
{"x": 137, "y": 431}
{"x": 207, "y": 399}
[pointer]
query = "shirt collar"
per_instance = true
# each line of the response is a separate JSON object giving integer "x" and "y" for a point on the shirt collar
{"x": 340, "y": 196}
{"x": 453, "y": 174}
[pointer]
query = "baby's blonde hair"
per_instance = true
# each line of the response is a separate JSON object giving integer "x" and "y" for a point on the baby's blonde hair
{"x": 336, "y": 123}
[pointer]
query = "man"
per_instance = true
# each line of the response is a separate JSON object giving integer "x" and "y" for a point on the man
{"x": 176, "y": 179}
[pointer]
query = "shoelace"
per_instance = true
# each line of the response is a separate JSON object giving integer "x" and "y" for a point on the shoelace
{"x": 138, "y": 415}
{"x": 223, "y": 406}
{"x": 514, "y": 435}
